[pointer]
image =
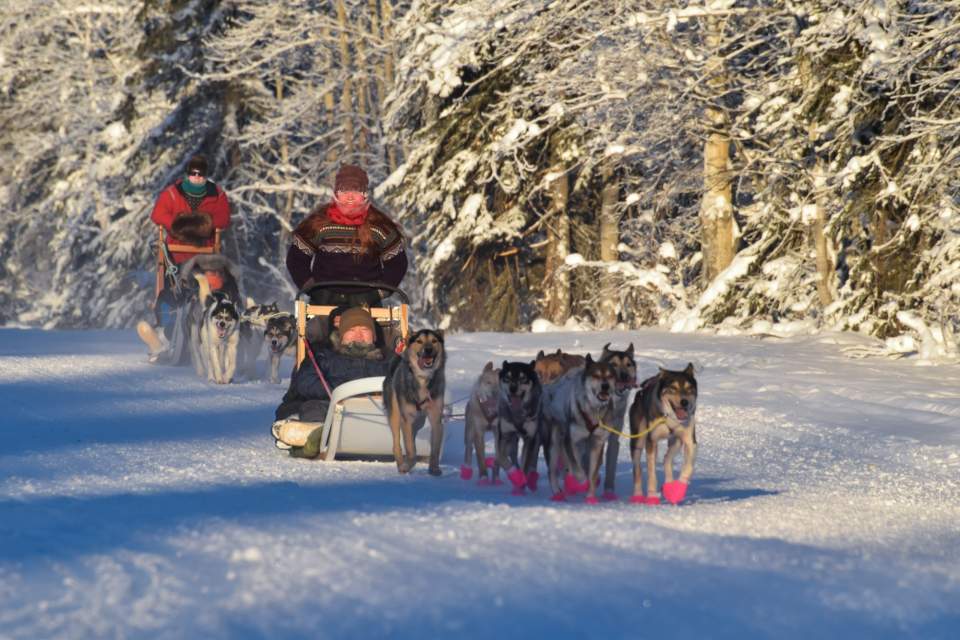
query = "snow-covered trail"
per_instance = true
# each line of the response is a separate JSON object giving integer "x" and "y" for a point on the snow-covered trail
{"x": 141, "y": 502}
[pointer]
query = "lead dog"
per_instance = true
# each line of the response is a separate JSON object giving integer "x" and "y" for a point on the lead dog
{"x": 215, "y": 334}
{"x": 572, "y": 409}
{"x": 518, "y": 418}
{"x": 664, "y": 408}
{"x": 412, "y": 391}
{"x": 480, "y": 418}
{"x": 625, "y": 375}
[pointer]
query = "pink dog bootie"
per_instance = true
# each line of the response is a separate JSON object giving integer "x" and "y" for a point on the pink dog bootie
{"x": 488, "y": 461}
{"x": 559, "y": 496}
{"x": 652, "y": 500}
{"x": 466, "y": 472}
{"x": 517, "y": 479}
{"x": 592, "y": 500}
{"x": 532, "y": 479}
{"x": 674, "y": 491}
{"x": 571, "y": 486}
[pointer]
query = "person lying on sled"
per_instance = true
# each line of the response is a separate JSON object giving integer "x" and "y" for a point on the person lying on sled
{"x": 352, "y": 353}
{"x": 190, "y": 210}
{"x": 347, "y": 239}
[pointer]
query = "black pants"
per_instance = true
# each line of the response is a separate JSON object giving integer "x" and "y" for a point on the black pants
{"x": 367, "y": 298}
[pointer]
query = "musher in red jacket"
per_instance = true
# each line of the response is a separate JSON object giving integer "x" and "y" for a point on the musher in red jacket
{"x": 190, "y": 210}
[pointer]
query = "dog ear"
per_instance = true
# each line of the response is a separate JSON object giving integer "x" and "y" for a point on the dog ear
{"x": 630, "y": 350}
{"x": 504, "y": 366}
{"x": 689, "y": 369}
{"x": 540, "y": 354}
{"x": 439, "y": 334}
{"x": 606, "y": 350}
{"x": 559, "y": 352}
{"x": 533, "y": 365}
{"x": 589, "y": 360}
{"x": 488, "y": 366}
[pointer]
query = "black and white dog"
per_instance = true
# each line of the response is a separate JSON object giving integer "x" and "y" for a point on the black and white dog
{"x": 572, "y": 410}
{"x": 214, "y": 335}
{"x": 280, "y": 335}
{"x": 412, "y": 391}
{"x": 518, "y": 418}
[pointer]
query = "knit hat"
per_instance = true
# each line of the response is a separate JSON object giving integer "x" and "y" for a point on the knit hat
{"x": 198, "y": 163}
{"x": 350, "y": 177}
{"x": 355, "y": 317}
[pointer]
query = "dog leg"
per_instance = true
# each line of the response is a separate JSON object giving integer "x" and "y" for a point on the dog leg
{"x": 610, "y": 468}
{"x": 435, "y": 411}
{"x": 689, "y": 456}
{"x": 275, "y": 367}
{"x": 673, "y": 445}
{"x": 593, "y": 466}
{"x": 409, "y": 443}
{"x": 393, "y": 416}
{"x": 466, "y": 469}
{"x": 230, "y": 358}
{"x": 479, "y": 446}
{"x": 554, "y": 470}
{"x": 651, "y": 449}
{"x": 636, "y": 453}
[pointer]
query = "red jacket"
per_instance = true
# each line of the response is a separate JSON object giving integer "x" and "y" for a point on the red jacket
{"x": 172, "y": 203}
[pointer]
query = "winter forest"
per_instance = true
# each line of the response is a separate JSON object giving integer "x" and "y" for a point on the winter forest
{"x": 755, "y": 166}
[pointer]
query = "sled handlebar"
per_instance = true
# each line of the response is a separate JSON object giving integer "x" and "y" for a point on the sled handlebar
{"x": 311, "y": 286}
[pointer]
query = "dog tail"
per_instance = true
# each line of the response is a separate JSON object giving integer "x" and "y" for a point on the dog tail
{"x": 204, "y": 286}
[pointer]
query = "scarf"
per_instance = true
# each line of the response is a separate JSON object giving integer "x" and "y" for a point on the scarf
{"x": 195, "y": 190}
{"x": 353, "y": 218}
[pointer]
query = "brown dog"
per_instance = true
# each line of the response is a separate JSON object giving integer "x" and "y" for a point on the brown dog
{"x": 550, "y": 367}
{"x": 412, "y": 391}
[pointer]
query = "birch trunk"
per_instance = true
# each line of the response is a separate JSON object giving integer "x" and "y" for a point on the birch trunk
{"x": 386, "y": 13}
{"x": 826, "y": 284}
{"x": 556, "y": 280}
{"x": 716, "y": 208}
{"x": 286, "y": 211}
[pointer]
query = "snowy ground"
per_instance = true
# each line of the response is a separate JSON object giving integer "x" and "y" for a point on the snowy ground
{"x": 141, "y": 502}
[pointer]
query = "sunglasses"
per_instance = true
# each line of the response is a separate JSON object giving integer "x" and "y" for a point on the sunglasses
{"x": 196, "y": 173}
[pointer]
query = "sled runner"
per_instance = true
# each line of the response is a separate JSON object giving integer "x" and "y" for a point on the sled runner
{"x": 356, "y": 424}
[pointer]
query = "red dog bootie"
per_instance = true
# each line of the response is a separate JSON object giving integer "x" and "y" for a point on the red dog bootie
{"x": 571, "y": 486}
{"x": 592, "y": 500}
{"x": 559, "y": 496}
{"x": 488, "y": 461}
{"x": 532, "y": 479}
{"x": 517, "y": 479}
{"x": 674, "y": 491}
{"x": 466, "y": 472}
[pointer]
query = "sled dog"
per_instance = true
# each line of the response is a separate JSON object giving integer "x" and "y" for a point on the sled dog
{"x": 518, "y": 418}
{"x": 550, "y": 367}
{"x": 625, "y": 376}
{"x": 215, "y": 335}
{"x": 481, "y": 418}
{"x": 665, "y": 408}
{"x": 280, "y": 336}
{"x": 412, "y": 391}
{"x": 571, "y": 410}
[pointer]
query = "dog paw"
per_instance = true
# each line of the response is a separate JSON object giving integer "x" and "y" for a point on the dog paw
{"x": 571, "y": 485}
{"x": 609, "y": 496}
{"x": 559, "y": 496}
{"x": 466, "y": 472}
{"x": 517, "y": 479}
{"x": 402, "y": 467}
{"x": 674, "y": 491}
{"x": 532, "y": 479}
{"x": 435, "y": 471}
{"x": 592, "y": 500}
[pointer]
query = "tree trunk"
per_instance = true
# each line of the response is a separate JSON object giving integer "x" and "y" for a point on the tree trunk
{"x": 609, "y": 239}
{"x": 286, "y": 212}
{"x": 826, "y": 285}
{"x": 386, "y": 12}
{"x": 346, "y": 95}
{"x": 330, "y": 107}
{"x": 716, "y": 208}
{"x": 556, "y": 281}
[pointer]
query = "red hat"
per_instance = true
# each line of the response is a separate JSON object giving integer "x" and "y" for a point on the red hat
{"x": 350, "y": 177}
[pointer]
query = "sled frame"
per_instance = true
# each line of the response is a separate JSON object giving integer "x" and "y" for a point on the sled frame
{"x": 385, "y": 316}
{"x": 177, "y": 248}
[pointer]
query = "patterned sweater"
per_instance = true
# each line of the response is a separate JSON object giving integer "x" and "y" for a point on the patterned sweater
{"x": 331, "y": 251}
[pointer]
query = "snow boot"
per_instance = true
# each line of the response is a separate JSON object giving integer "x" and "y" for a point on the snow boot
{"x": 151, "y": 338}
{"x": 295, "y": 433}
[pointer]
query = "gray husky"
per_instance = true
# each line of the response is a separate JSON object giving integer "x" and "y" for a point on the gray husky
{"x": 625, "y": 373}
{"x": 280, "y": 335}
{"x": 664, "y": 408}
{"x": 518, "y": 418}
{"x": 412, "y": 391}
{"x": 572, "y": 409}
{"x": 480, "y": 418}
